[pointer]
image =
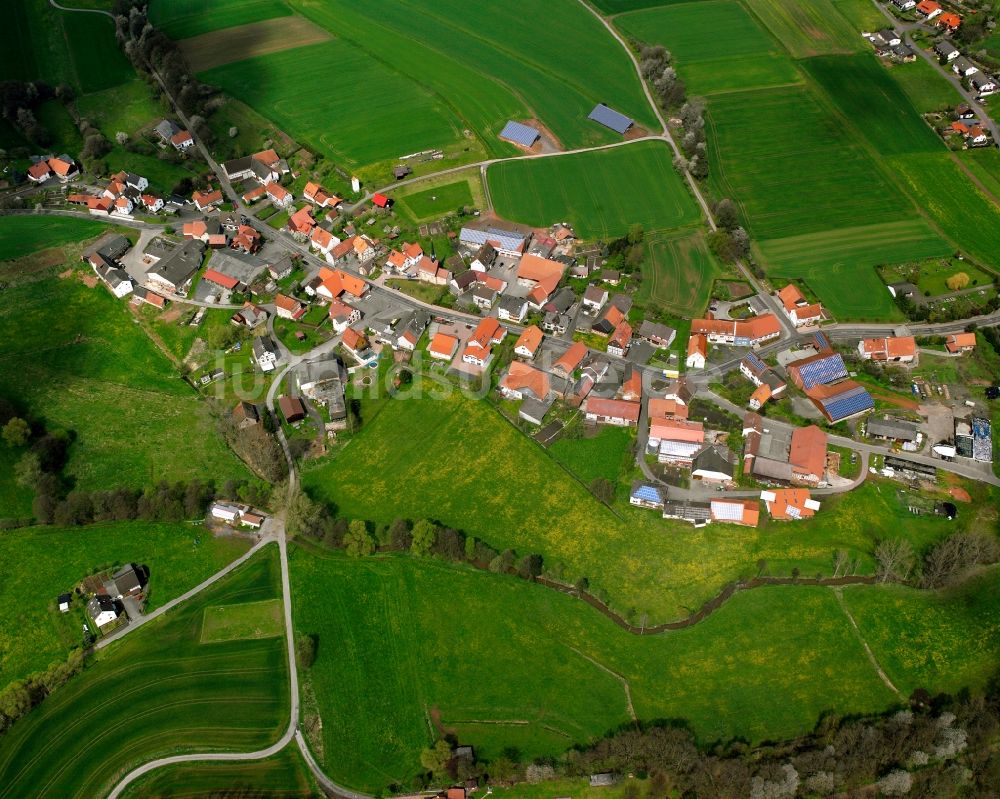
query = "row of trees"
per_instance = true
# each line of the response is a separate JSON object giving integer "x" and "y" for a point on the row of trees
{"x": 945, "y": 563}
{"x": 654, "y": 63}
{"x": 19, "y": 99}
{"x": 423, "y": 538}
{"x": 730, "y": 242}
{"x": 18, "y": 698}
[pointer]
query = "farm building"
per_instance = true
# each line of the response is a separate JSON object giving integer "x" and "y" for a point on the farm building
{"x": 713, "y": 464}
{"x": 894, "y": 349}
{"x": 645, "y": 495}
{"x": 509, "y": 243}
{"x": 615, "y": 412}
{"x": 610, "y": 118}
{"x": 291, "y": 408}
{"x": 697, "y": 351}
{"x": 891, "y": 429}
{"x": 518, "y": 133}
{"x": 102, "y": 609}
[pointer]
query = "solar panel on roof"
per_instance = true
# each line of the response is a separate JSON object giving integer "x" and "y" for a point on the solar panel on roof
{"x": 727, "y": 511}
{"x": 821, "y": 341}
{"x": 849, "y": 403}
{"x": 519, "y": 134}
{"x": 755, "y": 362}
{"x": 647, "y": 493}
{"x": 823, "y": 370}
{"x": 610, "y": 118}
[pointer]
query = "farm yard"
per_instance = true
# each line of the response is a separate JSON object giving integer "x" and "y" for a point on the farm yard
{"x": 57, "y": 335}
{"x": 586, "y": 190}
{"x": 158, "y": 691}
{"x": 678, "y": 275}
{"x": 657, "y": 566}
{"x": 54, "y": 559}
{"x": 716, "y": 45}
{"x": 558, "y": 680}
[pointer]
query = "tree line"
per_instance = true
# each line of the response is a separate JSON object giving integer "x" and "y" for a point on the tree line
{"x": 18, "y": 698}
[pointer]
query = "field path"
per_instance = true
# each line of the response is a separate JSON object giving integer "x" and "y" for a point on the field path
{"x": 838, "y": 592}
{"x": 107, "y": 14}
{"x": 628, "y": 691}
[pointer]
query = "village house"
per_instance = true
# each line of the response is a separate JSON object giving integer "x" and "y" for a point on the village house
{"x": 556, "y": 323}
{"x": 740, "y": 332}
{"x": 528, "y": 342}
{"x": 713, "y": 464}
{"x": 323, "y": 241}
{"x": 478, "y": 350}
{"x": 891, "y": 429}
{"x": 246, "y": 240}
{"x": 789, "y": 504}
{"x": 249, "y": 316}
{"x": 658, "y": 335}
{"x": 946, "y": 50}
{"x": 302, "y": 221}
{"x": 354, "y": 342}
{"x": 343, "y": 315}
{"x": 281, "y": 268}
{"x": 335, "y": 282}
{"x": 170, "y": 133}
{"x": 485, "y": 258}
{"x": 430, "y": 271}
{"x": 102, "y": 609}
{"x": 483, "y": 296}
{"x": 523, "y": 380}
{"x": 797, "y": 308}
{"x": 960, "y": 342}
{"x": 697, "y": 351}
{"x": 644, "y": 495}
{"x": 442, "y": 347}
{"x": 288, "y": 307}
{"x": 621, "y": 339}
{"x": 512, "y": 309}
{"x": 675, "y": 441}
{"x": 963, "y": 67}
{"x": 983, "y": 85}
{"x": 314, "y": 193}
{"x": 245, "y": 415}
{"x": 279, "y": 196}
{"x": 292, "y": 408}
{"x": 949, "y": 21}
{"x": 265, "y": 353}
{"x": 203, "y": 200}
{"x": 541, "y": 276}
{"x": 744, "y": 512}
{"x": 570, "y": 360}
{"x": 264, "y": 167}
{"x": 173, "y": 271}
{"x": 595, "y": 297}
{"x": 928, "y": 9}
{"x": 890, "y": 349}
{"x": 611, "y": 411}
{"x": 104, "y": 258}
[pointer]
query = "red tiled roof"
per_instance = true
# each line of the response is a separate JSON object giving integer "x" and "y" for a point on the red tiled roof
{"x": 380, "y": 200}
{"x": 957, "y": 341}
{"x": 486, "y": 332}
{"x": 227, "y": 282}
{"x": 534, "y": 267}
{"x": 276, "y": 191}
{"x": 443, "y": 345}
{"x": 807, "y": 454}
{"x": 203, "y": 198}
{"x": 698, "y": 343}
{"x": 881, "y": 349}
{"x": 254, "y": 194}
{"x": 790, "y": 296}
{"x": 611, "y": 408}
{"x": 353, "y": 339}
{"x": 181, "y": 137}
{"x": 268, "y": 157}
{"x": 666, "y": 409}
{"x": 39, "y": 169}
{"x": 572, "y": 358}
{"x": 785, "y": 498}
{"x": 521, "y": 376}
{"x": 677, "y": 430}
{"x": 530, "y": 339}
{"x": 338, "y": 281}
{"x": 60, "y": 167}
{"x": 302, "y": 220}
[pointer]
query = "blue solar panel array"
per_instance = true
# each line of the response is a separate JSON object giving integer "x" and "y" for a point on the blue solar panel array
{"x": 821, "y": 342}
{"x": 754, "y": 362}
{"x": 519, "y": 134}
{"x": 847, "y": 404}
{"x": 823, "y": 370}
{"x": 647, "y": 494}
{"x": 610, "y": 118}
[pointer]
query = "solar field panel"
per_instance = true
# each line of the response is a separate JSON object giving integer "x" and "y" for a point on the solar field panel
{"x": 519, "y": 133}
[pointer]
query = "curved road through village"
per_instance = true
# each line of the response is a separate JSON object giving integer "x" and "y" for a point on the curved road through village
{"x": 278, "y": 535}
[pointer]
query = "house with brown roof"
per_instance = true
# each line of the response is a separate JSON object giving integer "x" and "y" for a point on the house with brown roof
{"x": 442, "y": 347}
{"x": 570, "y": 360}
{"x": 960, "y": 342}
{"x": 611, "y": 411}
{"x": 288, "y": 307}
{"x": 204, "y": 200}
{"x": 523, "y": 380}
{"x": 807, "y": 455}
{"x": 343, "y": 315}
{"x": 697, "y": 351}
{"x": 528, "y": 342}
{"x": 291, "y": 408}
{"x": 797, "y": 308}
{"x": 430, "y": 271}
{"x": 889, "y": 349}
{"x": 595, "y": 297}
{"x": 39, "y": 171}
{"x": 739, "y": 332}
{"x": 478, "y": 350}
{"x": 621, "y": 339}
{"x": 278, "y": 195}
{"x": 245, "y": 415}
{"x": 315, "y": 193}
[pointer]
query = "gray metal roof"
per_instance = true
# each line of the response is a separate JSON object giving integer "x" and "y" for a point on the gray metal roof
{"x": 892, "y": 428}
{"x": 610, "y": 118}
{"x": 519, "y": 134}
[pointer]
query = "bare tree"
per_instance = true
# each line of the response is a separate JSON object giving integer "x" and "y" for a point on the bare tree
{"x": 894, "y": 560}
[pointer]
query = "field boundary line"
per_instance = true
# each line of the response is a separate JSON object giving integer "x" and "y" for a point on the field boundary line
{"x": 621, "y": 678}
{"x": 839, "y": 594}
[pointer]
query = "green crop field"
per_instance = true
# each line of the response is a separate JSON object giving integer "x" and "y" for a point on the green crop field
{"x": 180, "y": 19}
{"x": 436, "y": 202}
{"x": 716, "y": 44}
{"x": 75, "y": 358}
{"x": 53, "y": 560}
{"x": 159, "y": 691}
{"x": 678, "y": 275}
{"x": 839, "y": 265}
{"x": 867, "y": 96}
{"x": 501, "y": 663}
{"x": 772, "y": 149}
{"x": 283, "y": 85}
{"x": 24, "y": 235}
{"x": 283, "y": 776}
{"x": 247, "y": 620}
{"x": 863, "y": 14}
{"x": 61, "y": 47}
{"x": 639, "y": 559}
{"x": 600, "y": 193}
{"x": 947, "y": 196}
{"x": 983, "y": 163}
{"x": 600, "y": 456}
{"x": 808, "y": 29}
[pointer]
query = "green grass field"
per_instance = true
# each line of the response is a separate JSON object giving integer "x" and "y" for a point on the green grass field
{"x": 159, "y": 691}
{"x": 984, "y": 164}
{"x": 283, "y": 776}
{"x": 774, "y": 147}
{"x": 678, "y": 275}
{"x": 716, "y": 44}
{"x": 498, "y": 662}
{"x": 80, "y": 362}
{"x": 52, "y": 561}
{"x": 927, "y": 89}
{"x": 839, "y": 265}
{"x": 601, "y": 456}
{"x": 436, "y": 202}
{"x": 947, "y": 196}
{"x": 244, "y": 621}
{"x": 866, "y": 95}
{"x": 23, "y": 235}
{"x": 62, "y": 47}
{"x": 283, "y": 86}
{"x": 180, "y": 19}
{"x": 600, "y": 193}
{"x": 808, "y": 29}
{"x": 639, "y": 559}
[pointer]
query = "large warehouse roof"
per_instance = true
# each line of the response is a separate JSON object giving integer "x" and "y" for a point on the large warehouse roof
{"x": 610, "y": 118}
{"x": 519, "y": 134}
